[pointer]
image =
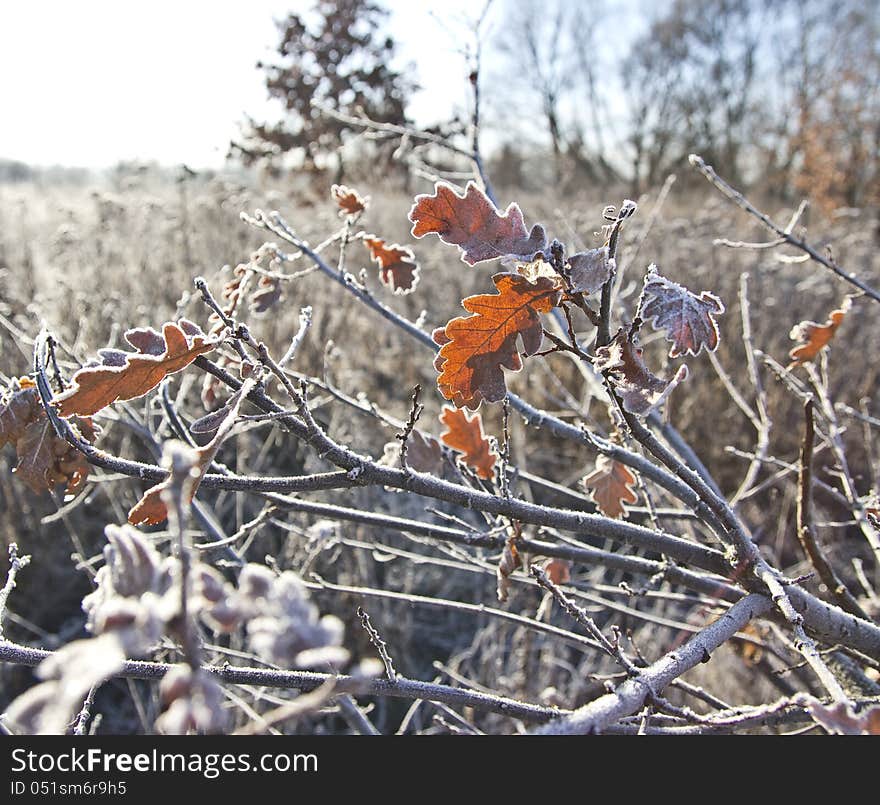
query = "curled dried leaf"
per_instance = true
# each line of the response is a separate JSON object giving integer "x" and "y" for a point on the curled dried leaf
{"x": 640, "y": 390}
{"x": 611, "y": 486}
{"x": 688, "y": 319}
{"x": 510, "y": 561}
{"x": 97, "y": 387}
{"x": 267, "y": 295}
{"x": 476, "y": 349}
{"x": 815, "y": 336}
{"x": 474, "y": 224}
{"x": 465, "y": 435}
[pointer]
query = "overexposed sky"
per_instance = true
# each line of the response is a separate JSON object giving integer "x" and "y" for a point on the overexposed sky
{"x": 93, "y": 82}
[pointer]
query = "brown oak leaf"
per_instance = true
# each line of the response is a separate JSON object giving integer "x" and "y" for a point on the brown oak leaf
{"x": 423, "y": 454}
{"x": 267, "y": 295}
{"x": 610, "y": 485}
{"x": 95, "y": 387}
{"x": 474, "y": 224}
{"x": 688, "y": 319}
{"x": 465, "y": 435}
{"x": 816, "y": 336}
{"x": 44, "y": 460}
{"x": 151, "y": 508}
{"x": 558, "y": 570}
{"x": 349, "y": 201}
{"x": 510, "y": 561}
{"x": 640, "y": 390}
{"x": 475, "y": 348}
{"x": 398, "y": 269}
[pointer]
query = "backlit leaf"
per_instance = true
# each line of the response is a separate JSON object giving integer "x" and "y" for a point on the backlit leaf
{"x": 816, "y": 336}
{"x": 589, "y": 270}
{"x": 349, "y": 201}
{"x": 688, "y": 319}
{"x": 99, "y": 386}
{"x": 398, "y": 269}
{"x": 611, "y": 485}
{"x": 474, "y": 224}
{"x": 465, "y": 434}
{"x": 475, "y": 348}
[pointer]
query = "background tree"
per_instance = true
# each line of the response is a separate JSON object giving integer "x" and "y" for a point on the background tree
{"x": 339, "y": 57}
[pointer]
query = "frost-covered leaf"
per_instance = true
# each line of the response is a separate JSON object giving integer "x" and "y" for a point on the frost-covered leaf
{"x": 590, "y": 270}
{"x": 349, "y": 201}
{"x": 398, "y": 269}
{"x": 423, "y": 454}
{"x": 815, "y": 336}
{"x": 474, "y": 224}
{"x": 510, "y": 561}
{"x": 475, "y": 348}
{"x": 18, "y": 409}
{"x": 465, "y": 435}
{"x": 640, "y": 390}
{"x": 97, "y": 387}
{"x": 610, "y": 485}
{"x": 267, "y": 295}
{"x": 688, "y": 319}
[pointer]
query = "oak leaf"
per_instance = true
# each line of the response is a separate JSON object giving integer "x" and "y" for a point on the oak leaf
{"x": 475, "y": 348}
{"x": 510, "y": 560}
{"x": 590, "y": 270}
{"x": 558, "y": 570}
{"x": 640, "y": 390}
{"x": 267, "y": 295}
{"x": 610, "y": 485}
{"x": 465, "y": 435}
{"x": 474, "y": 224}
{"x": 423, "y": 454}
{"x": 688, "y": 319}
{"x": 151, "y": 508}
{"x": 349, "y": 201}
{"x": 816, "y": 336}
{"x": 398, "y": 269}
{"x": 44, "y": 460}
{"x": 96, "y": 387}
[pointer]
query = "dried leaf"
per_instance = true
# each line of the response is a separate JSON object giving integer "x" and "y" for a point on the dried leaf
{"x": 398, "y": 269}
{"x": 349, "y": 201}
{"x": 44, "y": 460}
{"x": 465, "y": 434}
{"x": 267, "y": 295}
{"x": 639, "y": 389}
{"x": 20, "y": 408}
{"x": 840, "y": 719}
{"x": 423, "y": 454}
{"x": 589, "y": 271}
{"x": 689, "y": 320}
{"x": 816, "y": 336}
{"x": 558, "y": 570}
{"x": 474, "y": 224}
{"x": 97, "y": 387}
{"x": 510, "y": 561}
{"x": 151, "y": 508}
{"x": 475, "y": 348}
{"x": 611, "y": 485}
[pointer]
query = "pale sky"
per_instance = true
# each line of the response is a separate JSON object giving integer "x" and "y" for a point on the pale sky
{"x": 92, "y": 82}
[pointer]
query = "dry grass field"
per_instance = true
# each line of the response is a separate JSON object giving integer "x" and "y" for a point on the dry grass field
{"x": 88, "y": 261}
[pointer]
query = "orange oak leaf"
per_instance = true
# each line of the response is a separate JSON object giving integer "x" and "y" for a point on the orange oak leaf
{"x": 610, "y": 485}
{"x": 465, "y": 434}
{"x": 640, "y": 390}
{"x": 688, "y": 319}
{"x": 816, "y": 336}
{"x": 398, "y": 269}
{"x": 475, "y": 348}
{"x": 474, "y": 224}
{"x": 151, "y": 508}
{"x": 349, "y": 201}
{"x": 126, "y": 375}
{"x": 44, "y": 460}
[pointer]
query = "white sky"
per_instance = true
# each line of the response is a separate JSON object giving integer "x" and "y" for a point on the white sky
{"x": 93, "y": 82}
